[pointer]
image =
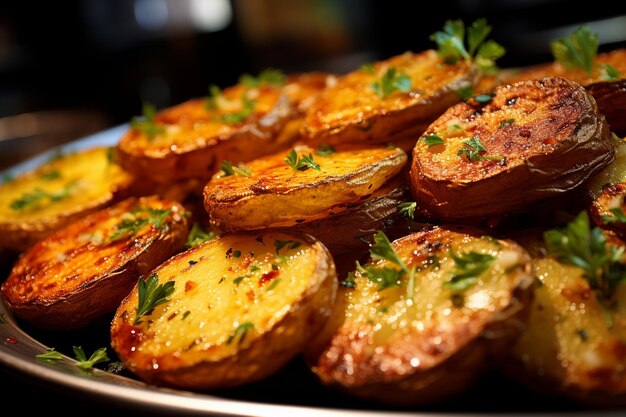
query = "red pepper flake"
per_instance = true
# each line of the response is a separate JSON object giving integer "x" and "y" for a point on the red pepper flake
{"x": 250, "y": 295}
{"x": 10, "y": 341}
{"x": 190, "y": 285}
{"x": 268, "y": 276}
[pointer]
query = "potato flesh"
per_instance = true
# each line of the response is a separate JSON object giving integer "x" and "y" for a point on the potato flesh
{"x": 567, "y": 338}
{"x": 217, "y": 305}
{"x": 90, "y": 177}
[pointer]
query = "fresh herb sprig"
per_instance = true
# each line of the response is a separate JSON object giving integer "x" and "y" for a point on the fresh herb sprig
{"x": 139, "y": 218}
{"x": 269, "y": 76}
{"x": 151, "y": 295}
{"x": 198, "y": 235}
{"x": 239, "y": 169}
{"x": 301, "y": 163}
{"x": 51, "y": 355}
{"x": 469, "y": 266}
{"x": 433, "y": 140}
{"x": 407, "y": 209}
{"x": 609, "y": 73}
{"x": 454, "y": 45}
{"x": 617, "y": 216}
{"x": 476, "y": 151}
{"x": 391, "y": 81}
{"x": 146, "y": 123}
{"x": 98, "y": 356}
{"x": 247, "y": 108}
{"x": 577, "y": 50}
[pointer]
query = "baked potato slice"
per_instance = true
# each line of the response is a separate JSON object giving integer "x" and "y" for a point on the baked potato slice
{"x": 576, "y": 336}
{"x": 84, "y": 270}
{"x": 469, "y": 300}
{"x": 241, "y": 307}
{"x": 238, "y": 124}
{"x": 275, "y": 194}
{"x": 534, "y": 140}
{"x": 351, "y": 111}
{"x": 65, "y": 189}
{"x": 609, "y": 90}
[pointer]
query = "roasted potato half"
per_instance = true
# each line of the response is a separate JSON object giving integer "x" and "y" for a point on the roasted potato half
{"x": 576, "y": 336}
{"x": 534, "y": 140}
{"x": 351, "y": 111}
{"x": 239, "y": 124}
{"x": 84, "y": 270}
{"x": 65, "y": 189}
{"x": 470, "y": 295}
{"x": 242, "y": 306}
{"x": 275, "y": 194}
{"x": 609, "y": 91}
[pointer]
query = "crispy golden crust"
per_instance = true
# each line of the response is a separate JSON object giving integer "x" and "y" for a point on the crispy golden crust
{"x": 275, "y": 195}
{"x": 196, "y": 139}
{"x": 542, "y": 138}
{"x": 59, "y": 192}
{"x": 393, "y": 350}
{"x": 83, "y": 271}
{"x": 351, "y": 112}
{"x": 192, "y": 340}
{"x": 610, "y": 199}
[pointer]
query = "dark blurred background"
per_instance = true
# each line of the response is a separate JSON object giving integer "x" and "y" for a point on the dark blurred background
{"x": 69, "y": 68}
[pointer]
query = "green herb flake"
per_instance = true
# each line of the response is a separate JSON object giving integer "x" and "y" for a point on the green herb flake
{"x": 146, "y": 123}
{"x": 237, "y": 253}
{"x": 391, "y": 81}
{"x": 384, "y": 277}
{"x": 238, "y": 280}
{"x": 138, "y": 218}
{"x": 240, "y": 169}
{"x": 83, "y": 363}
{"x": 151, "y": 295}
{"x": 51, "y": 175}
{"x": 287, "y": 244}
{"x": 617, "y": 216}
{"x": 212, "y": 101}
{"x": 476, "y": 151}
{"x": 349, "y": 281}
{"x": 609, "y": 73}
{"x": 325, "y": 150}
{"x": 506, "y": 123}
{"x": 186, "y": 314}
{"x": 367, "y": 68}
{"x": 407, "y": 209}
{"x": 269, "y": 76}
{"x": 577, "y": 50}
{"x": 247, "y": 108}
{"x": 469, "y": 266}
{"x": 465, "y": 93}
{"x": 32, "y": 199}
{"x": 433, "y": 140}
{"x": 301, "y": 163}
{"x": 51, "y": 355}
{"x": 241, "y": 331}
{"x": 198, "y": 235}
{"x": 273, "y": 284}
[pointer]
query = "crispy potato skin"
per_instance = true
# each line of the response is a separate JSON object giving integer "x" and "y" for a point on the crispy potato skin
{"x": 567, "y": 348}
{"x": 351, "y": 112}
{"x": 556, "y": 140}
{"x": 410, "y": 353}
{"x": 77, "y": 274}
{"x": 93, "y": 182}
{"x": 196, "y": 141}
{"x": 201, "y": 351}
{"x": 275, "y": 195}
{"x": 610, "y": 95}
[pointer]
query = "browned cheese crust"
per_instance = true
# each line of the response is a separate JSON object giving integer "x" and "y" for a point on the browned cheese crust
{"x": 542, "y": 138}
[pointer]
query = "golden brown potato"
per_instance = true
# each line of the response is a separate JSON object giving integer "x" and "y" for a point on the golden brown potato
{"x": 241, "y": 124}
{"x": 63, "y": 190}
{"x": 609, "y": 209}
{"x": 352, "y": 112}
{"x": 84, "y": 270}
{"x": 274, "y": 194}
{"x": 534, "y": 140}
{"x": 242, "y": 306}
{"x": 576, "y": 337}
{"x": 609, "y": 94}
{"x": 404, "y": 349}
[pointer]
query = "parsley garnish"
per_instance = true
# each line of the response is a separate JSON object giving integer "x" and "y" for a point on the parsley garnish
{"x": 136, "y": 220}
{"x": 273, "y": 284}
{"x": 325, "y": 150}
{"x": 32, "y": 199}
{"x": 475, "y": 151}
{"x": 50, "y": 175}
{"x": 465, "y": 93}
{"x": 287, "y": 244}
{"x": 247, "y": 108}
{"x": 51, "y": 355}
{"x": 618, "y": 216}
{"x": 433, "y": 140}
{"x": 469, "y": 266}
{"x": 151, "y": 295}
{"x": 350, "y": 281}
{"x": 98, "y": 356}
{"x": 239, "y": 169}
{"x": 407, "y": 209}
{"x": 198, "y": 235}
{"x": 367, "y": 68}
{"x": 609, "y": 73}
{"x": 585, "y": 247}
{"x": 212, "y": 101}
{"x": 506, "y": 123}
{"x": 301, "y": 163}
{"x": 269, "y": 76}
{"x": 391, "y": 81}
{"x": 242, "y": 331}
{"x": 577, "y": 50}
{"x": 146, "y": 123}
{"x": 453, "y": 45}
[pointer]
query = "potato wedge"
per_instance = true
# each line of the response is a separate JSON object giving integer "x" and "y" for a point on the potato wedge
{"x": 65, "y": 189}
{"x": 352, "y": 112}
{"x": 609, "y": 94}
{"x": 575, "y": 340}
{"x": 410, "y": 350}
{"x": 276, "y": 195}
{"x": 84, "y": 270}
{"x": 534, "y": 140}
{"x": 242, "y": 306}
{"x": 241, "y": 124}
